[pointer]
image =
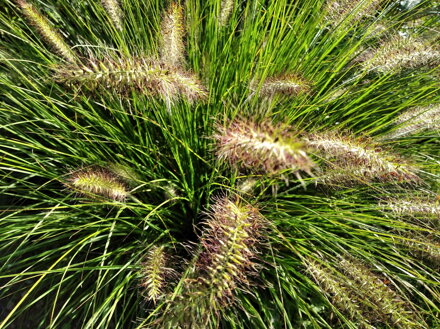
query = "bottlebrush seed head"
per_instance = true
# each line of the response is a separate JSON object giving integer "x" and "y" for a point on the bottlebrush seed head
{"x": 229, "y": 240}
{"x": 416, "y": 120}
{"x": 127, "y": 74}
{"x": 114, "y": 12}
{"x": 350, "y": 157}
{"x": 342, "y": 297}
{"x": 42, "y": 25}
{"x": 385, "y": 304}
{"x": 336, "y": 11}
{"x": 227, "y": 6}
{"x": 287, "y": 84}
{"x": 98, "y": 182}
{"x": 400, "y": 53}
{"x": 172, "y": 50}
{"x": 423, "y": 247}
{"x": 415, "y": 206}
{"x": 154, "y": 273}
{"x": 261, "y": 147}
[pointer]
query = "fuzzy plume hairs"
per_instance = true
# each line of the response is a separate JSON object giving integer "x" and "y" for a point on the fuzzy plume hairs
{"x": 261, "y": 147}
{"x": 400, "y": 52}
{"x": 362, "y": 295}
{"x": 229, "y": 243}
{"x": 114, "y": 12}
{"x": 353, "y": 157}
{"x": 285, "y": 84}
{"x": 49, "y": 34}
{"x": 98, "y": 182}
{"x": 123, "y": 75}
{"x": 416, "y": 120}
{"x": 165, "y": 78}
{"x": 172, "y": 51}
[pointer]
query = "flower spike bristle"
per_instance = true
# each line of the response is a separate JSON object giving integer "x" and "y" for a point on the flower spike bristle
{"x": 172, "y": 31}
{"x": 349, "y": 157}
{"x": 227, "y": 6}
{"x": 416, "y": 120}
{"x": 98, "y": 182}
{"x": 400, "y": 52}
{"x": 287, "y": 84}
{"x": 262, "y": 146}
{"x": 42, "y": 25}
{"x": 123, "y": 75}
{"x": 154, "y": 273}
{"x": 114, "y": 12}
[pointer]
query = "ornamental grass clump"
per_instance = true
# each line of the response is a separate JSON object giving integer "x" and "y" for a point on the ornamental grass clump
{"x": 206, "y": 140}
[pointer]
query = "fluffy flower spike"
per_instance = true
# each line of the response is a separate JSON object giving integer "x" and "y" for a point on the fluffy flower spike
{"x": 227, "y": 6}
{"x": 114, "y": 12}
{"x": 362, "y": 295}
{"x": 228, "y": 246}
{"x": 173, "y": 50}
{"x": 385, "y": 304}
{"x": 224, "y": 263}
{"x": 359, "y": 157}
{"x": 416, "y": 120}
{"x": 128, "y": 74}
{"x": 400, "y": 53}
{"x": 98, "y": 182}
{"x": 154, "y": 273}
{"x": 287, "y": 84}
{"x": 42, "y": 25}
{"x": 342, "y": 298}
{"x": 336, "y": 11}
{"x": 415, "y": 206}
{"x": 262, "y": 147}
{"x": 425, "y": 248}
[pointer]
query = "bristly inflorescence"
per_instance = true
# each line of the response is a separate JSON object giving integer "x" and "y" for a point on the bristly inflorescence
{"x": 336, "y": 11}
{"x": 154, "y": 273}
{"x": 399, "y": 53}
{"x": 228, "y": 242}
{"x": 285, "y": 84}
{"x": 123, "y": 75}
{"x": 342, "y": 296}
{"x": 98, "y": 182}
{"x": 416, "y": 120}
{"x": 226, "y": 260}
{"x": 172, "y": 49}
{"x": 114, "y": 12}
{"x": 44, "y": 28}
{"x": 422, "y": 247}
{"x": 261, "y": 147}
{"x": 351, "y": 158}
{"x": 226, "y": 8}
{"x": 384, "y": 304}
{"x": 415, "y": 206}
{"x": 363, "y": 295}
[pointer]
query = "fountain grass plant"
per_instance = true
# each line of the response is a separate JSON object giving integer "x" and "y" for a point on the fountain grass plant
{"x": 219, "y": 164}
